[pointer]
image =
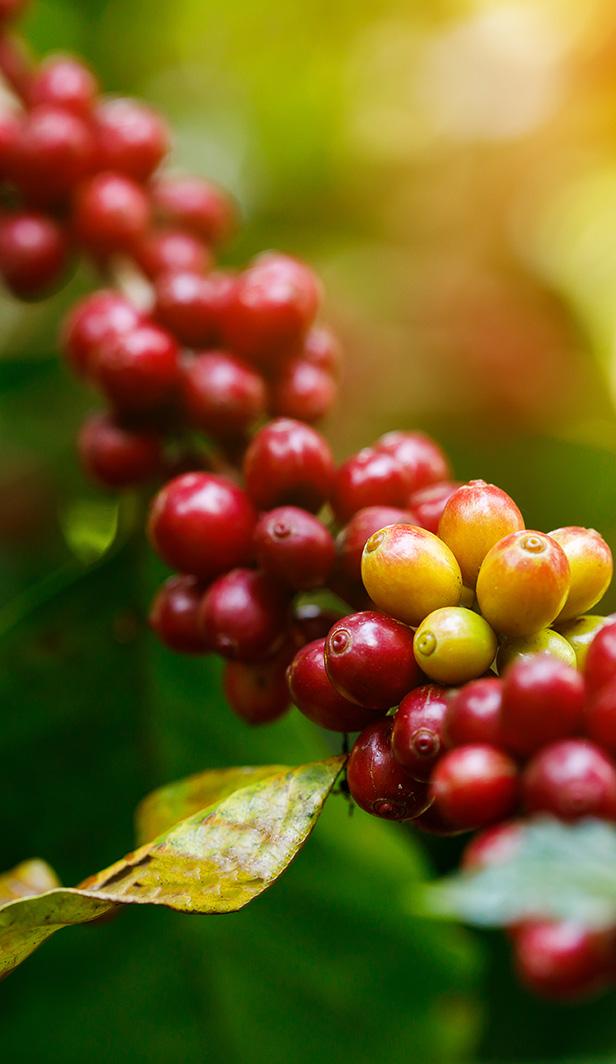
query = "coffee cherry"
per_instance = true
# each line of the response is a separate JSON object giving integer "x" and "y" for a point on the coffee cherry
{"x": 117, "y": 457}
{"x": 432, "y": 823}
{"x": 476, "y": 517}
{"x": 311, "y": 621}
{"x": 138, "y": 369}
{"x": 64, "y": 82}
{"x": 428, "y": 503}
{"x": 193, "y": 307}
{"x": 528, "y": 646}
{"x": 409, "y": 572}
{"x": 494, "y": 846}
{"x": 258, "y": 694}
{"x": 417, "y": 735}
{"x": 322, "y": 349}
{"x": 288, "y": 462}
{"x": 600, "y": 717}
{"x": 93, "y": 320}
{"x": 523, "y": 583}
{"x": 171, "y": 251}
{"x": 302, "y": 391}
{"x": 174, "y": 615}
{"x": 223, "y": 396}
{"x": 474, "y": 785}
{"x": 132, "y": 139}
{"x": 591, "y": 567}
{"x": 243, "y": 615}
{"x": 10, "y": 131}
{"x": 378, "y": 783}
{"x": 580, "y": 633}
{"x": 294, "y": 547}
{"x": 369, "y": 478}
{"x": 354, "y": 536}
{"x": 33, "y": 253}
{"x": 570, "y": 779}
{"x": 453, "y": 645}
{"x": 562, "y": 959}
{"x": 473, "y": 713}
{"x": 600, "y": 665}
{"x": 55, "y": 151}
{"x": 202, "y": 524}
{"x": 195, "y": 205}
{"x": 316, "y": 697}
{"x": 423, "y": 460}
{"x": 369, "y": 659}
{"x": 111, "y": 213}
{"x": 543, "y": 700}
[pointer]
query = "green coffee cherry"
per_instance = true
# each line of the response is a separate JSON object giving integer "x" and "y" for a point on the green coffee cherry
{"x": 581, "y": 632}
{"x": 544, "y": 642}
{"x": 453, "y": 645}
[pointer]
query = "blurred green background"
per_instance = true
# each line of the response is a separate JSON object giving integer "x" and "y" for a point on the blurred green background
{"x": 450, "y": 168}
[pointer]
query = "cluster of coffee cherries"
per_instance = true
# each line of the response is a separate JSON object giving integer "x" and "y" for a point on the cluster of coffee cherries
{"x": 189, "y": 358}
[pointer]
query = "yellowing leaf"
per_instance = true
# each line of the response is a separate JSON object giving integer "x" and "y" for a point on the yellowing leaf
{"x": 26, "y": 879}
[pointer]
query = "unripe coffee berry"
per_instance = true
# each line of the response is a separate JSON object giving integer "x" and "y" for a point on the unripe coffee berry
{"x": 369, "y": 659}
{"x": 523, "y": 583}
{"x": 562, "y": 959}
{"x": 378, "y": 783}
{"x": 428, "y": 503}
{"x": 473, "y": 713}
{"x": 453, "y": 645}
{"x": 258, "y": 693}
{"x": 580, "y": 633}
{"x": 243, "y": 615}
{"x": 423, "y": 460}
{"x": 288, "y": 463}
{"x": 222, "y": 394}
{"x": 409, "y": 572}
{"x": 476, "y": 517}
{"x": 118, "y": 457}
{"x": 294, "y": 547}
{"x": 600, "y": 665}
{"x": 543, "y": 700}
{"x": 417, "y": 735}
{"x": 174, "y": 615}
{"x": 474, "y": 785}
{"x": 369, "y": 478}
{"x": 546, "y": 641}
{"x": 570, "y": 779}
{"x": 354, "y": 536}
{"x": 316, "y": 697}
{"x": 591, "y": 567}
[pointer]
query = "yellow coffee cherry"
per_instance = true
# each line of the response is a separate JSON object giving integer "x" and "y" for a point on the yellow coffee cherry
{"x": 547, "y": 641}
{"x": 591, "y": 565}
{"x": 453, "y": 645}
{"x": 523, "y": 583}
{"x": 408, "y": 572}
{"x": 475, "y": 517}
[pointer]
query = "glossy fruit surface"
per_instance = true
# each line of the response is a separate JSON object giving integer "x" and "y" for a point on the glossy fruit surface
{"x": 600, "y": 665}
{"x": 222, "y": 394}
{"x": 473, "y": 713}
{"x": 417, "y": 735}
{"x": 111, "y": 213}
{"x": 33, "y": 253}
{"x": 115, "y": 456}
{"x": 546, "y": 641}
{"x": 138, "y": 369}
{"x": 591, "y": 567}
{"x": 65, "y": 82}
{"x": 294, "y": 547}
{"x": 409, "y": 572}
{"x": 563, "y": 959}
{"x": 580, "y": 633}
{"x": 322, "y": 349}
{"x": 543, "y": 700}
{"x": 93, "y": 320}
{"x": 174, "y": 615}
{"x": 192, "y": 306}
{"x": 474, "y": 785}
{"x": 302, "y": 390}
{"x": 171, "y": 251}
{"x": 354, "y": 536}
{"x": 378, "y": 783}
{"x": 55, "y": 150}
{"x": 369, "y": 659}
{"x": 369, "y": 478}
{"x": 600, "y": 717}
{"x": 570, "y": 779}
{"x": 428, "y": 503}
{"x": 131, "y": 138}
{"x": 194, "y": 204}
{"x": 423, "y": 460}
{"x": 316, "y": 697}
{"x": 453, "y": 645}
{"x": 288, "y": 462}
{"x": 258, "y": 694}
{"x": 523, "y": 583}
{"x": 243, "y": 615}
{"x": 312, "y": 621}
{"x": 476, "y": 517}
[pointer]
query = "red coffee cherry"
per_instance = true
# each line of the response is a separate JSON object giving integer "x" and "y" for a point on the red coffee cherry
{"x": 322, "y": 349}
{"x": 354, "y": 536}
{"x": 174, "y": 615}
{"x": 274, "y": 302}
{"x": 590, "y": 565}
{"x": 474, "y": 785}
{"x": 132, "y": 138}
{"x": 192, "y": 306}
{"x": 417, "y": 736}
{"x": 369, "y": 478}
{"x": 171, "y": 251}
{"x": 33, "y": 253}
{"x": 93, "y": 320}
{"x": 294, "y": 547}
{"x": 428, "y": 503}
{"x": 65, "y": 82}
{"x": 473, "y": 713}
{"x": 523, "y": 583}
{"x": 601, "y": 717}
{"x": 222, "y": 394}
{"x": 543, "y": 700}
{"x": 202, "y": 524}
{"x": 194, "y": 204}
{"x": 55, "y": 150}
{"x": 432, "y": 823}
{"x": 562, "y": 959}
{"x": 378, "y": 783}
{"x": 288, "y": 462}
{"x": 570, "y": 779}
{"x": 494, "y": 846}
{"x": 311, "y": 621}
{"x": 600, "y": 666}
{"x": 421, "y": 457}
{"x": 259, "y": 693}
{"x": 117, "y": 457}
{"x": 316, "y": 697}
{"x": 302, "y": 391}
{"x": 369, "y": 659}
{"x": 138, "y": 369}
{"x": 10, "y": 131}
{"x": 476, "y": 517}
{"x": 243, "y": 615}
{"x": 111, "y": 213}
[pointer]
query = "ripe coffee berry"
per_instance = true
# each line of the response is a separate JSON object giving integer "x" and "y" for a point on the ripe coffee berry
{"x": 473, "y": 713}
{"x": 111, "y": 213}
{"x": 174, "y": 615}
{"x": 378, "y": 783}
{"x": 417, "y": 735}
{"x": 474, "y": 785}
{"x": 570, "y": 779}
{"x": 131, "y": 138}
{"x": 409, "y": 572}
{"x": 93, "y": 320}
{"x": 493, "y": 846}
{"x": 543, "y": 700}
{"x": 523, "y": 583}
{"x": 453, "y": 645}
{"x": 600, "y": 717}
{"x": 65, "y": 82}
{"x": 590, "y": 565}
{"x": 422, "y": 459}
{"x": 545, "y": 641}
{"x": 33, "y": 253}
{"x": 243, "y": 615}
{"x": 428, "y": 503}
{"x": 580, "y": 634}
{"x": 171, "y": 251}
{"x": 257, "y": 693}
{"x": 311, "y": 621}
{"x": 55, "y": 151}
{"x": 354, "y": 536}
{"x": 562, "y": 959}
{"x": 193, "y": 307}
{"x": 600, "y": 665}
{"x": 369, "y": 659}
{"x": 294, "y": 547}
{"x": 316, "y": 697}
{"x": 476, "y": 517}
{"x": 322, "y": 349}
{"x": 288, "y": 463}
{"x": 370, "y": 478}
{"x": 202, "y": 524}
{"x": 222, "y": 395}
{"x": 138, "y": 369}
{"x": 195, "y": 205}
{"x": 302, "y": 391}
{"x": 118, "y": 457}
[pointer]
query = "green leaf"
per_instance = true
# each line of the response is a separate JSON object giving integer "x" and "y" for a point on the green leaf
{"x": 561, "y": 871}
{"x": 215, "y": 861}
